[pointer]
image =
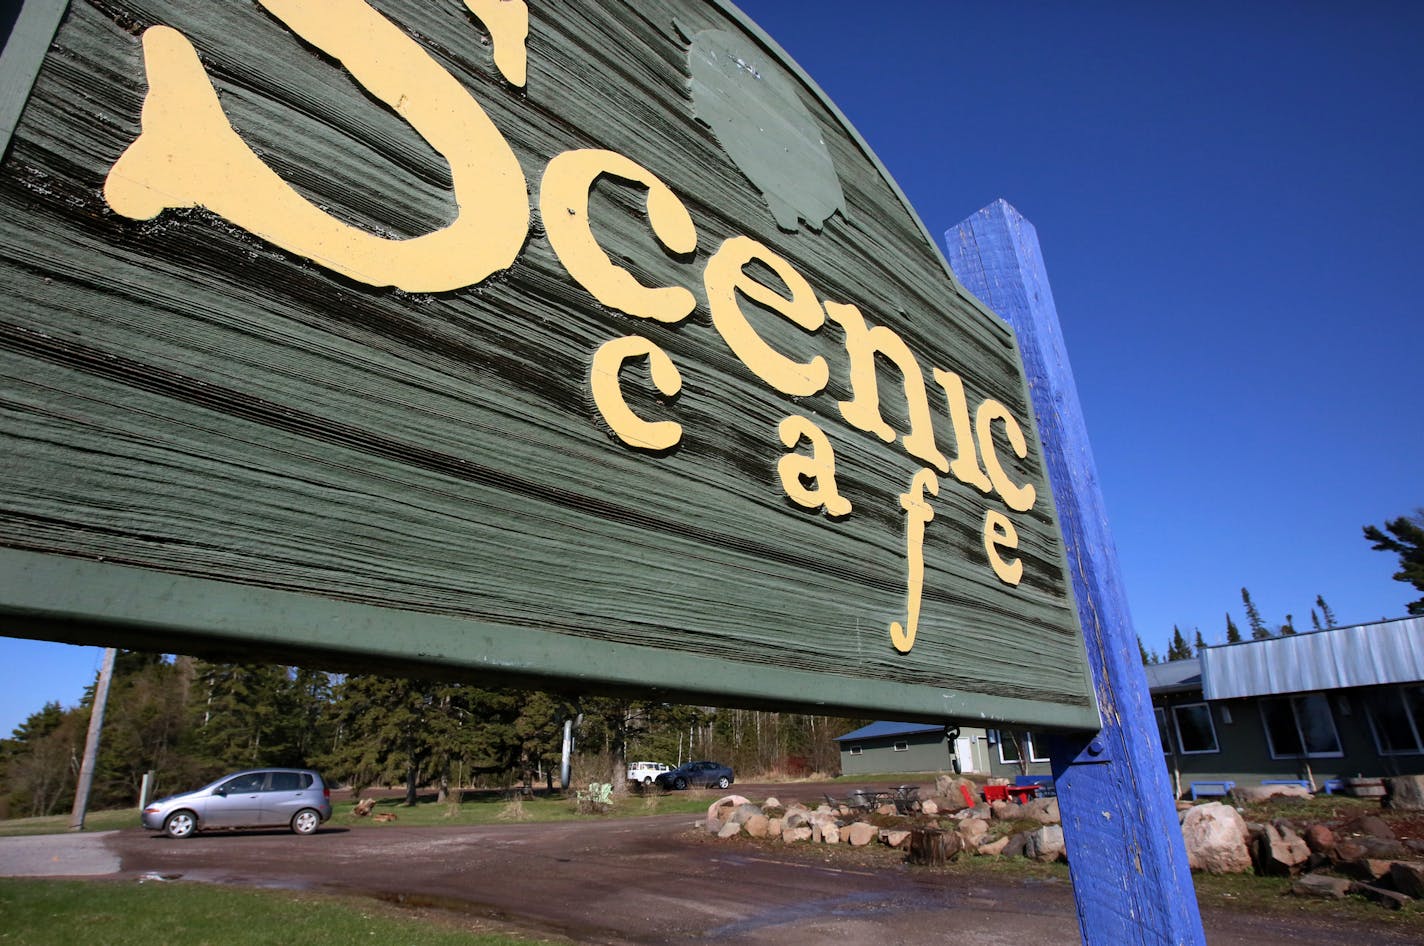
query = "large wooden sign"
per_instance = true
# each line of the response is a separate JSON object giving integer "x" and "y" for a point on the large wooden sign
{"x": 580, "y": 343}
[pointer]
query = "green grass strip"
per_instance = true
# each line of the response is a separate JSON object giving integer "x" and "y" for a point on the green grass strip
{"x": 124, "y": 913}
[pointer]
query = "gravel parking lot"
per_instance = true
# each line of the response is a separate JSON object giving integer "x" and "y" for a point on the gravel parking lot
{"x": 634, "y": 881}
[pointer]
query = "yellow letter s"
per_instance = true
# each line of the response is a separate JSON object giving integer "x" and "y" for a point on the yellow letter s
{"x": 189, "y": 155}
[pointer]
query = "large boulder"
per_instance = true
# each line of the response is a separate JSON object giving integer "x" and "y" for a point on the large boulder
{"x": 1385, "y": 897}
{"x": 1366, "y": 868}
{"x": 994, "y": 848}
{"x": 972, "y": 830}
{"x": 720, "y": 809}
{"x": 862, "y": 833}
{"x": 1408, "y": 878}
{"x": 1046, "y": 844}
{"x": 895, "y": 837}
{"x": 1043, "y": 810}
{"x": 1259, "y": 793}
{"x": 1321, "y": 885}
{"x": 1366, "y": 826}
{"x": 730, "y": 830}
{"x": 1406, "y": 792}
{"x": 1007, "y": 810}
{"x": 1280, "y": 851}
{"x": 1354, "y": 849}
{"x": 1319, "y": 838}
{"x": 758, "y": 826}
{"x": 954, "y": 792}
{"x": 1215, "y": 836}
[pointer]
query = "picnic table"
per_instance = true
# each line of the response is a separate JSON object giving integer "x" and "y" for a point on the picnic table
{"x": 1015, "y": 793}
{"x": 902, "y": 797}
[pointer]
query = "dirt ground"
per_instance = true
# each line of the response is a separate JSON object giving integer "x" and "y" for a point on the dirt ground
{"x": 657, "y": 880}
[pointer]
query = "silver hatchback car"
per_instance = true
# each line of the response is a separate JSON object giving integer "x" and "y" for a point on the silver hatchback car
{"x": 256, "y": 798}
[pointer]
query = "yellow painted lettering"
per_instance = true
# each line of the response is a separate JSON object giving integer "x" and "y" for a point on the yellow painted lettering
{"x": 810, "y": 481}
{"x": 724, "y": 278}
{"x": 608, "y": 361}
{"x": 999, "y": 533}
{"x": 919, "y": 515}
{"x": 965, "y": 467}
{"x": 862, "y": 344}
{"x": 563, "y": 205}
{"x": 1018, "y": 498}
{"x": 189, "y": 155}
{"x": 508, "y": 25}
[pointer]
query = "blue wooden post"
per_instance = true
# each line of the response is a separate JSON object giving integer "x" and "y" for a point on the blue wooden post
{"x": 1129, "y": 866}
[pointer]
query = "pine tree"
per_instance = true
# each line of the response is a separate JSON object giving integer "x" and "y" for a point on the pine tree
{"x": 1179, "y": 649}
{"x": 1325, "y": 611}
{"x": 1233, "y": 633}
{"x": 1315, "y": 621}
{"x": 1142, "y": 650}
{"x": 1288, "y": 628}
{"x": 1199, "y": 645}
{"x": 1407, "y": 541}
{"x": 1259, "y": 631}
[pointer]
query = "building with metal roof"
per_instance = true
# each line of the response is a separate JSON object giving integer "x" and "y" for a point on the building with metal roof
{"x": 889, "y": 747}
{"x": 1322, "y": 706}
{"x": 1319, "y": 707}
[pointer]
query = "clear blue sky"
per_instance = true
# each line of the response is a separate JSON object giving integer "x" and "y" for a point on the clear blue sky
{"x": 1229, "y": 199}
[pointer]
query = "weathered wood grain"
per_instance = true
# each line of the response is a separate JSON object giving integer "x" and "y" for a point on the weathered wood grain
{"x": 186, "y": 400}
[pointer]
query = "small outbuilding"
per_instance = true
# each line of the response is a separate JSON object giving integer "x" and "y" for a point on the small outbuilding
{"x": 889, "y": 747}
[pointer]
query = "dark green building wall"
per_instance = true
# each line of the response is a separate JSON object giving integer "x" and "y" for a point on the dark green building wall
{"x": 1244, "y": 754}
{"x": 922, "y": 752}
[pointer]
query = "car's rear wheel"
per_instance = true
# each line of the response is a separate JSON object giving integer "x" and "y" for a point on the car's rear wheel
{"x": 723, "y": 782}
{"x": 180, "y": 824}
{"x": 306, "y": 821}
{"x": 647, "y": 780}
{"x": 680, "y": 783}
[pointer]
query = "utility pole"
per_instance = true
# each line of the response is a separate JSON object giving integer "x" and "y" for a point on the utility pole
{"x": 91, "y": 742}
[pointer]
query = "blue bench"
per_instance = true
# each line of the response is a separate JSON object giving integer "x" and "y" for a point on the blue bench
{"x": 1211, "y": 789}
{"x": 1333, "y": 785}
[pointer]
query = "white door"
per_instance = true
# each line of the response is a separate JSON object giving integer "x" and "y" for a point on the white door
{"x": 964, "y": 751}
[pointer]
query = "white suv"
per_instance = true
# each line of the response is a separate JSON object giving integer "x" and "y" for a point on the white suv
{"x": 645, "y": 772}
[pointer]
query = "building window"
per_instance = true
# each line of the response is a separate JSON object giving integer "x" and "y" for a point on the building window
{"x": 1299, "y": 726}
{"x": 1009, "y": 748}
{"x": 855, "y": 750}
{"x": 902, "y": 747}
{"x": 1162, "y": 732}
{"x": 1195, "y": 732}
{"x": 1397, "y": 719}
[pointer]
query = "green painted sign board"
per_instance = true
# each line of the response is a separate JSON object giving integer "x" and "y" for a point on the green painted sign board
{"x": 574, "y": 344}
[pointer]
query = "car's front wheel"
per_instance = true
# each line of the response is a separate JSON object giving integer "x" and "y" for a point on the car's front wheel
{"x": 647, "y": 780}
{"x": 680, "y": 783}
{"x": 306, "y": 821}
{"x": 180, "y": 824}
{"x": 723, "y": 782}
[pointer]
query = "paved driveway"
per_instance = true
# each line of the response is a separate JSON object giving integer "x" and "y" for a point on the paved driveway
{"x": 58, "y": 855}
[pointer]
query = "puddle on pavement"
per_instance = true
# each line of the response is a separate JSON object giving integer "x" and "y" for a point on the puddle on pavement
{"x": 865, "y": 905}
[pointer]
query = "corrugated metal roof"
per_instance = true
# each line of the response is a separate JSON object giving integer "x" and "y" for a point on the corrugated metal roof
{"x": 1174, "y": 675}
{"x": 882, "y": 730}
{"x": 1363, "y": 655}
